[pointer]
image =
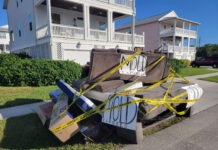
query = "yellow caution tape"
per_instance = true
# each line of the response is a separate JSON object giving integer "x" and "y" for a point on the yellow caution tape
{"x": 156, "y": 102}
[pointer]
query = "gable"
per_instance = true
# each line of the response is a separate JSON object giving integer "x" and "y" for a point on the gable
{"x": 171, "y": 14}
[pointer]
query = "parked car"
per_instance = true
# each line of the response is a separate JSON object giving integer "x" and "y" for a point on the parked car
{"x": 208, "y": 61}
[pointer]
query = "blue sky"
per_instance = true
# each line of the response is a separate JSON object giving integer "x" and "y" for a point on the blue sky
{"x": 203, "y": 11}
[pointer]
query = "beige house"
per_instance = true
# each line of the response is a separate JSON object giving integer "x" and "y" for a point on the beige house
{"x": 176, "y": 37}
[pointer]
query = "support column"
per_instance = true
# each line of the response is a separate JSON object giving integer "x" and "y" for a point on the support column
{"x": 189, "y": 37}
{"x": 86, "y": 16}
{"x": 174, "y": 36}
{"x": 182, "y": 42}
{"x": 109, "y": 25}
{"x": 183, "y": 27}
{"x": 4, "y": 48}
{"x": 196, "y": 35}
{"x": 133, "y": 24}
{"x": 49, "y": 18}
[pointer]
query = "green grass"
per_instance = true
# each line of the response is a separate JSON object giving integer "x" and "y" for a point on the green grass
{"x": 27, "y": 132}
{"x": 211, "y": 79}
{"x": 13, "y": 96}
{"x": 196, "y": 71}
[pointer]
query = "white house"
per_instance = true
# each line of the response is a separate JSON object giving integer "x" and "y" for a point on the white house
{"x": 4, "y": 39}
{"x": 68, "y": 29}
{"x": 176, "y": 36}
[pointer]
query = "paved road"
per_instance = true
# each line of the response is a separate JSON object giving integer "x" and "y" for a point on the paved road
{"x": 199, "y": 132}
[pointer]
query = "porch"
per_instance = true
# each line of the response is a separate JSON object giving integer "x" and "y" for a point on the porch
{"x": 178, "y": 27}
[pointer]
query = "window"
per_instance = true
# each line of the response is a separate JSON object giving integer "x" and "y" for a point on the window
{"x": 7, "y": 47}
{"x": 74, "y": 22}
{"x": 12, "y": 36}
{"x": 31, "y": 26}
{"x": 2, "y": 35}
{"x": 29, "y": 19}
{"x": 19, "y": 33}
{"x": 56, "y": 19}
{"x": 1, "y": 47}
{"x": 102, "y": 25}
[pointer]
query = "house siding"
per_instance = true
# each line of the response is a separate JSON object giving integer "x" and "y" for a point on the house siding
{"x": 19, "y": 19}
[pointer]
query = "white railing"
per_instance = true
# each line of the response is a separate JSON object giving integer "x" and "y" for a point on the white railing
{"x": 127, "y": 3}
{"x": 180, "y": 31}
{"x": 193, "y": 33}
{"x": 98, "y": 35}
{"x": 127, "y": 38}
{"x": 122, "y": 37}
{"x": 171, "y": 49}
{"x": 192, "y": 49}
{"x": 167, "y": 31}
{"x": 67, "y": 31}
{"x": 139, "y": 39}
{"x": 42, "y": 32}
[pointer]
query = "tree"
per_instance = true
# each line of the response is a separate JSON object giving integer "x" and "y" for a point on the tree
{"x": 208, "y": 50}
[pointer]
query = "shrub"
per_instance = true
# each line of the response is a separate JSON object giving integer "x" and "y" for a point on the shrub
{"x": 24, "y": 71}
{"x": 186, "y": 62}
{"x": 176, "y": 64}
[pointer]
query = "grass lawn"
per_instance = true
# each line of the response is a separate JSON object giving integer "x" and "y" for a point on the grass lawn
{"x": 196, "y": 71}
{"x": 211, "y": 79}
{"x": 13, "y": 96}
{"x": 27, "y": 132}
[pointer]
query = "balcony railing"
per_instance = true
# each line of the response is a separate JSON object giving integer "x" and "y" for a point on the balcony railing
{"x": 67, "y": 31}
{"x": 139, "y": 39}
{"x": 98, "y": 35}
{"x": 171, "y": 49}
{"x": 42, "y": 32}
{"x": 71, "y": 32}
{"x": 122, "y": 37}
{"x": 178, "y": 31}
{"x": 127, "y": 38}
{"x": 126, "y": 3}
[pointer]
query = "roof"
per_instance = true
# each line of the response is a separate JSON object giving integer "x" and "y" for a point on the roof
{"x": 4, "y": 28}
{"x": 160, "y": 17}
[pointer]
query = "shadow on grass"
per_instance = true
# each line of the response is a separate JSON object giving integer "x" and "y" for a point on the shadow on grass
{"x": 19, "y": 101}
{"x": 27, "y": 132}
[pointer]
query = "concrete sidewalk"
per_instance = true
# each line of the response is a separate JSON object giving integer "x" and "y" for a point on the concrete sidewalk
{"x": 199, "y": 132}
{"x": 210, "y": 96}
{"x": 19, "y": 110}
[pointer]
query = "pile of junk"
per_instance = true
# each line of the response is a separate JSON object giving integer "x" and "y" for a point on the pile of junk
{"x": 123, "y": 91}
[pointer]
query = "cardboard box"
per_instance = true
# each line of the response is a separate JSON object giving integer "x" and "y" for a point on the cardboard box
{"x": 44, "y": 112}
{"x": 56, "y": 121}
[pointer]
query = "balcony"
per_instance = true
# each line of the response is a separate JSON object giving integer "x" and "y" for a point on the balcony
{"x": 63, "y": 31}
{"x": 172, "y": 49}
{"x": 71, "y": 32}
{"x": 124, "y": 3}
{"x": 179, "y": 32}
{"x": 99, "y": 35}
